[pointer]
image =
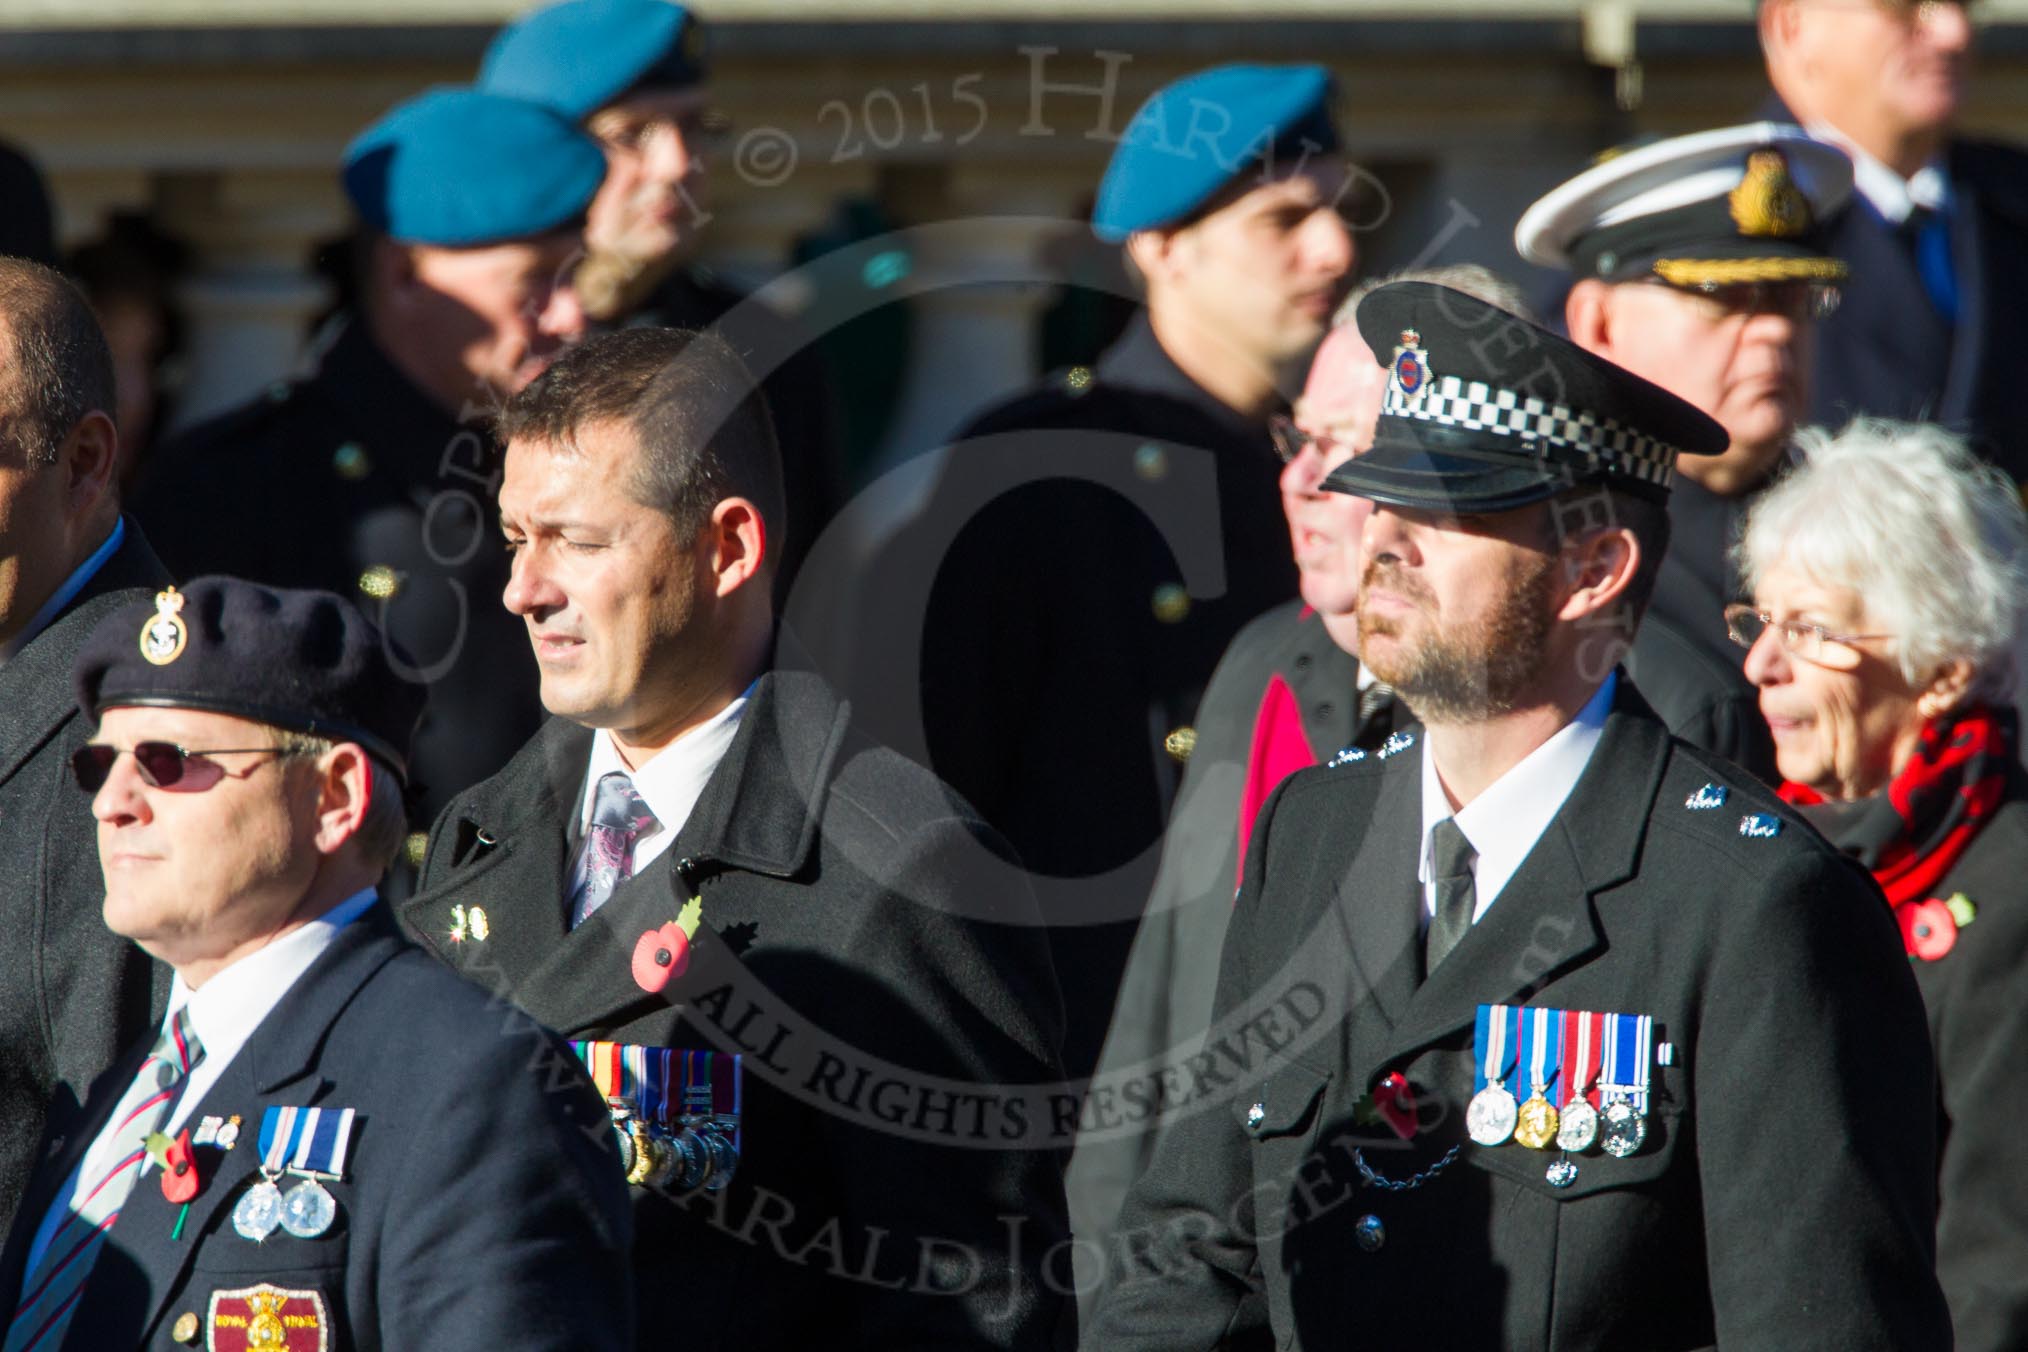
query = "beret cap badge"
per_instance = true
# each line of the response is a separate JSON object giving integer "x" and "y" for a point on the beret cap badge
{"x": 1767, "y": 203}
{"x": 164, "y": 634}
{"x": 1410, "y": 367}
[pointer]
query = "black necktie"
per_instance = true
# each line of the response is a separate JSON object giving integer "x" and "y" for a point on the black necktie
{"x": 1456, "y": 893}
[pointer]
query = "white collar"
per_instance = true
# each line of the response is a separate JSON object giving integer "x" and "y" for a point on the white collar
{"x": 1503, "y": 823}
{"x": 671, "y": 781}
{"x": 227, "y": 1009}
{"x": 1890, "y": 194}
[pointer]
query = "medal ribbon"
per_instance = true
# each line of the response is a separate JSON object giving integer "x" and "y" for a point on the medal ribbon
{"x": 1543, "y": 1051}
{"x": 1581, "y": 1029}
{"x": 1494, "y": 1037}
{"x": 1629, "y": 1042}
{"x": 309, "y": 1141}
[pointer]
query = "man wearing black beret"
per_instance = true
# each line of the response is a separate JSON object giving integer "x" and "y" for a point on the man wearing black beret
{"x": 1541, "y": 1029}
{"x": 330, "y": 1141}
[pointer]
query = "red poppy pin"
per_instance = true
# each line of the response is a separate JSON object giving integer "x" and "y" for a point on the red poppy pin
{"x": 663, "y": 954}
{"x": 180, "y": 1181}
{"x": 1395, "y": 1102}
{"x": 1928, "y": 929}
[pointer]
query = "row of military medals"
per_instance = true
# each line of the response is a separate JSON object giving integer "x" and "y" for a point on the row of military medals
{"x": 698, "y": 1148}
{"x": 310, "y": 1143}
{"x": 1605, "y": 1082}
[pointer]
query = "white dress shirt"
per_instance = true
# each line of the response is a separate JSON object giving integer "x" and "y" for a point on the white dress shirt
{"x": 1889, "y": 193}
{"x": 1503, "y": 823}
{"x": 224, "y": 1012}
{"x": 670, "y": 783}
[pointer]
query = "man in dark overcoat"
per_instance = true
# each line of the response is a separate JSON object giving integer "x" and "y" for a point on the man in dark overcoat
{"x": 1931, "y": 328}
{"x": 1539, "y": 1029}
{"x": 699, "y": 853}
{"x": 75, "y": 995}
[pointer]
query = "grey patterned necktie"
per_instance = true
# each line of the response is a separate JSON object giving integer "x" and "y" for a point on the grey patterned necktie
{"x": 620, "y": 816}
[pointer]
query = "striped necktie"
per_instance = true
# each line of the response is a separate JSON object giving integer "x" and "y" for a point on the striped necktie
{"x": 49, "y": 1293}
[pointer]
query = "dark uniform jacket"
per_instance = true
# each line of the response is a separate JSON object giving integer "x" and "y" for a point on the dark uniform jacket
{"x": 1784, "y": 1197}
{"x": 353, "y": 480}
{"x": 1978, "y": 1024}
{"x": 1703, "y": 695}
{"x": 1113, "y": 531}
{"x": 799, "y": 393}
{"x": 854, "y": 916}
{"x": 481, "y": 1206}
{"x": 1888, "y": 352}
{"x": 73, "y": 995}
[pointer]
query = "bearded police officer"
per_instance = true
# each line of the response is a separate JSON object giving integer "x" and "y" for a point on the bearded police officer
{"x": 1095, "y": 544}
{"x": 374, "y": 475}
{"x": 1539, "y": 1029}
{"x": 330, "y": 1141}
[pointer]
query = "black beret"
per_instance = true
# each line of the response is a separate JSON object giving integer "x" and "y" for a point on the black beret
{"x": 305, "y": 661}
{"x": 1485, "y": 411}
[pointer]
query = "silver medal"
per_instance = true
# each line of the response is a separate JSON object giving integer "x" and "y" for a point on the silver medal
{"x": 1578, "y": 1127}
{"x": 259, "y": 1212}
{"x": 308, "y": 1210}
{"x": 1623, "y": 1129}
{"x": 1491, "y": 1115}
{"x": 1562, "y": 1173}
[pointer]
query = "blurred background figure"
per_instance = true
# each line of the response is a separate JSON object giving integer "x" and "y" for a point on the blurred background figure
{"x": 1700, "y": 263}
{"x": 634, "y": 74}
{"x": 27, "y": 217}
{"x": 1937, "y": 234}
{"x": 1887, "y": 582}
{"x": 127, "y": 275}
{"x": 72, "y": 995}
{"x": 1096, "y": 542}
{"x": 374, "y": 475}
{"x": 1289, "y": 692}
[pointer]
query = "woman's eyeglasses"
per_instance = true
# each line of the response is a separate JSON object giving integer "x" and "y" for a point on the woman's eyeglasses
{"x": 1744, "y": 625}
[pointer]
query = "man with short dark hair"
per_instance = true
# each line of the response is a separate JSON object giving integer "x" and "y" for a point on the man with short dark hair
{"x": 328, "y": 1138}
{"x": 1505, "y": 1006}
{"x": 374, "y": 475}
{"x": 699, "y": 855}
{"x": 72, "y": 996}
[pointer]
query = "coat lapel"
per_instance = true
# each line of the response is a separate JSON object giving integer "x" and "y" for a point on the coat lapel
{"x": 1544, "y": 920}
{"x": 1379, "y": 918}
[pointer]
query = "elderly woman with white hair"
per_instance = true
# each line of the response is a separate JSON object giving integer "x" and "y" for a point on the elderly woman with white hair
{"x": 1887, "y": 582}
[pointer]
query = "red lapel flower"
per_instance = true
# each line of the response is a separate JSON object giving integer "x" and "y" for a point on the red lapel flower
{"x": 1928, "y": 929}
{"x": 660, "y": 955}
{"x": 179, "y": 1170}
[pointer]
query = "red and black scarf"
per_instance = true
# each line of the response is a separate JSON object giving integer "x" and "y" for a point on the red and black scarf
{"x": 1910, "y": 834}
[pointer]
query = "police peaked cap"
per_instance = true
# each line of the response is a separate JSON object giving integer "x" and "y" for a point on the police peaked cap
{"x": 1485, "y": 411}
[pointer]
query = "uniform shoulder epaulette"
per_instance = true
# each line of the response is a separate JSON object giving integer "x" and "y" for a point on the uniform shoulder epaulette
{"x": 1395, "y": 744}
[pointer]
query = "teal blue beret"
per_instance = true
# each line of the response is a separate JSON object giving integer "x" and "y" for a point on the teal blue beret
{"x": 1194, "y": 137}
{"x": 579, "y": 56}
{"x": 459, "y": 168}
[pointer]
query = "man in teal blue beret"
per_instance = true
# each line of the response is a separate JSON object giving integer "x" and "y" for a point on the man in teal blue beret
{"x": 633, "y": 73}
{"x": 1067, "y": 641}
{"x": 373, "y": 475}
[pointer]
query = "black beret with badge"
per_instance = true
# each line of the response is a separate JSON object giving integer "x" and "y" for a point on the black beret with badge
{"x": 1485, "y": 411}
{"x": 305, "y": 661}
{"x": 1739, "y": 205}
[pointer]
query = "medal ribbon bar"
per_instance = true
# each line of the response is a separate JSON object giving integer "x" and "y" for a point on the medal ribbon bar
{"x": 1542, "y": 1051}
{"x": 1494, "y": 1041}
{"x": 310, "y": 1141}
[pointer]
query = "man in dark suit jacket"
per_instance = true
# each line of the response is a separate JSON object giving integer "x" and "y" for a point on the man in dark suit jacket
{"x": 1358, "y": 1169}
{"x": 331, "y": 1142}
{"x": 75, "y": 995}
{"x": 1931, "y": 327}
{"x": 699, "y": 853}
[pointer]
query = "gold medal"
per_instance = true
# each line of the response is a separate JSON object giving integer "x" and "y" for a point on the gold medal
{"x": 1537, "y": 1121}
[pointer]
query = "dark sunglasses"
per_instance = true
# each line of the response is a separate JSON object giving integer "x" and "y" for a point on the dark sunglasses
{"x": 164, "y": 765}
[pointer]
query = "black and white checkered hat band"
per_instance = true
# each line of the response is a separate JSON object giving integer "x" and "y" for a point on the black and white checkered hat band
{"x": 1476, "y": 406}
